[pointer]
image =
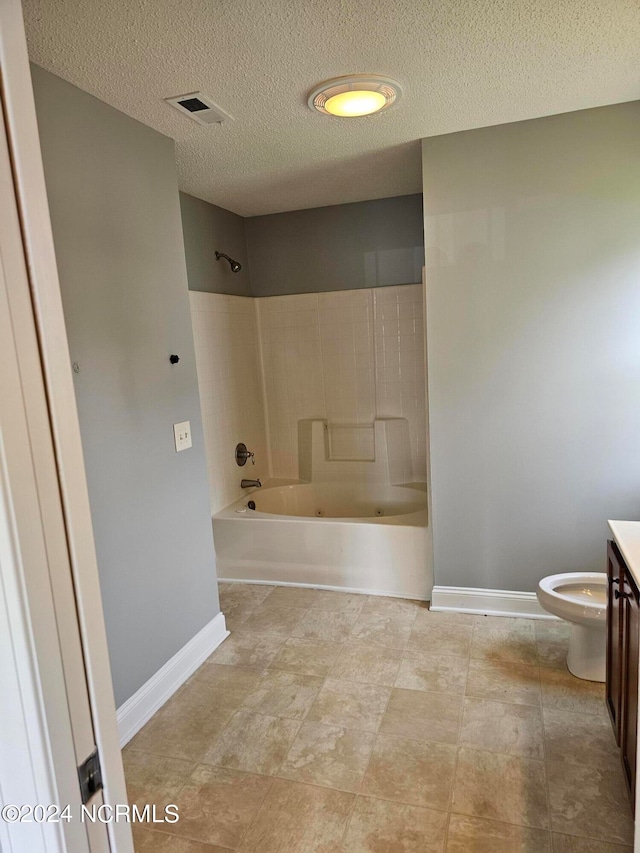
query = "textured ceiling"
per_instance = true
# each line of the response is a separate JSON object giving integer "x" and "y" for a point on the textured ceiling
{"x": 462, "y": 63}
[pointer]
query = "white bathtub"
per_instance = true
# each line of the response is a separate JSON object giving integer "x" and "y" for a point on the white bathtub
{"x": 365, "y": 538}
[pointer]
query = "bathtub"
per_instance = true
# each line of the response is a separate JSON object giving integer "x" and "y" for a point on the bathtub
{"x": 357, "y": 538}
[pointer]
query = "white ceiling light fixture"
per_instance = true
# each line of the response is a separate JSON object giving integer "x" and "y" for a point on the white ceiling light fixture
{"x": 355, "y": 96}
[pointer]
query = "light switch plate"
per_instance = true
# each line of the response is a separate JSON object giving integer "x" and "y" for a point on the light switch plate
{"x": 182, "y": 435}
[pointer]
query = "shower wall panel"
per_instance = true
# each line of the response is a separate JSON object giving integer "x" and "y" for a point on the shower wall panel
{"x": 225, "y": 336}
{"x": 347, "y": 356}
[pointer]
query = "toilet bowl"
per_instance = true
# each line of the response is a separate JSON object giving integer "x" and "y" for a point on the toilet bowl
{"x": 580, "y": 598}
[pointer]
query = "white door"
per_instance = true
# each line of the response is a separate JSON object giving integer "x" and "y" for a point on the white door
{"x": 56, "y": 701}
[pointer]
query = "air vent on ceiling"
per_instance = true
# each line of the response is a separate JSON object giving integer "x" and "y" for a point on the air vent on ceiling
{"x": 200, "y": 108}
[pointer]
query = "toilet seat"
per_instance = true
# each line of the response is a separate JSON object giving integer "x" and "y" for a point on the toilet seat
{"x": 579, "y": 597}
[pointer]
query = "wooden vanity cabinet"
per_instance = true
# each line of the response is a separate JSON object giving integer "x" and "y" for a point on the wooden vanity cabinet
{"x": 630, "y": 659}
{"x": 614, "y": 638}
{"x": 623, "y": 656}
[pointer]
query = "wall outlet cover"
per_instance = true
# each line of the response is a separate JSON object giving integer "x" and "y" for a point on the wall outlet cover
{"x": 182, "y": 435}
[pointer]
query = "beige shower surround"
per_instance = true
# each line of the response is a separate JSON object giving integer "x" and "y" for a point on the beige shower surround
{"x": 264, "y": 364}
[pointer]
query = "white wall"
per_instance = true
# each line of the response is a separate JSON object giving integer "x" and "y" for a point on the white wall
{"x": 227, "y": 350}
{"x": 532, "y": 235}
{"x": 347, "y": 356}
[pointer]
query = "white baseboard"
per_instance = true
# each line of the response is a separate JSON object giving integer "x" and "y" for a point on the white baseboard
{"x": 144, "y": 703}
{"x": 355, "y": 589}
{"x": 488, "y": 602}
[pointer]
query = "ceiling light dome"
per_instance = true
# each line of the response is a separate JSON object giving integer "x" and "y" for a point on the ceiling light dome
{"x": 357, "y": 95}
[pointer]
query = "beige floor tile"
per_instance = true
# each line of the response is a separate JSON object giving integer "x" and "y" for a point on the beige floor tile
{"x": 376, "y": 628}
{"x": 424, "y": 716}
{"x": 373, "y": 664}
{"x": 411, "y": 771}
{"x": 283, "y": 694}
{"x": 439, "y": 673}
{"x": 564, "y": 692}
{"x": 222, "y": 677}
{"x": 377, "y": 826}
{"x": 205, "y": 747}
{"x": 274, "y": 620}
{"x": 307, "y": 657}
{"x": 345, "y": 601}
{"x": 589, "y": 801}
{"x": 503, "y": 727}
{"x": 146, "y": 841}
{"x": 238, "y": 602}
{"x": 386, "y": 604}
{"x": 291, "y": 596}
{"x": 511, "y": 624}
{"x": 573, "y": 844}
{"x": 236, "y": 616}
{"x": 427, "y": 619}
{"x": 513, "y": 641}
{"x": 234, "y": 594}
{"x": 330, "y": 756}
{"x": 247, "y": 648}
{"x": 222, "y": 688}
{"x": 501, "y": 787}
{"x": 504, "y": 682}
{"x": 580, "y": 739}
{"x": 327, "y": 625}
{"x": 475, "y": 835}
{"x": 552, "y": 642}
{"x": 154, "y": 778}
{"x": 217, "y": 806}
{"x": 354, "y": 705}
{"x": 448, "y": 617}
{"x": 433, "y": 637}
{"x": 297, "y": 818}
{"x": 182, "y": 729}
{"x": 546, "y": 629}
{"x": 552, "y": 652}
{"x": 253, "y": 742}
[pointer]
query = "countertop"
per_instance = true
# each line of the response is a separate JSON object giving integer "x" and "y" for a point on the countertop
{"x": 627, "y": 535}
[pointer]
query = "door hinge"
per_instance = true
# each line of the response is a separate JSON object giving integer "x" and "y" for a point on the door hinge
{"x": 90, "y": 777}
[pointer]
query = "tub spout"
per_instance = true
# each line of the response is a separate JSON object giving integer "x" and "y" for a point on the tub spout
{"x": 251, "y": 484}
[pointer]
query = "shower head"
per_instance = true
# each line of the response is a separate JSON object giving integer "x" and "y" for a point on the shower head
{"x": 235, "y": 266}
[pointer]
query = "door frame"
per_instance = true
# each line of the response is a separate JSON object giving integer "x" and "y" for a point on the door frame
{"x": 37, "y": 754}
{"x": 48, "y": 357}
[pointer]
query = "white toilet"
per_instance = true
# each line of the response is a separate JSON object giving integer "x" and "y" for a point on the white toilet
{"x": 580, "y": 598}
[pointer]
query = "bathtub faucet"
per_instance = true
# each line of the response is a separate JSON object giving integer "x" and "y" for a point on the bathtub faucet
{"x": 251, "y": 484}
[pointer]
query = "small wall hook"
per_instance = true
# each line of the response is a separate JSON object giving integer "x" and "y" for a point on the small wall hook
{"x": 174, "y": 359}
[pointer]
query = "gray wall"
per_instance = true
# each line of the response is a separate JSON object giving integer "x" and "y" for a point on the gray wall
{"x": 532, "y": 234}
{"x": 343, "y": 247}
{"x": 207, "y": 229}
{"x": 113, "y": 197}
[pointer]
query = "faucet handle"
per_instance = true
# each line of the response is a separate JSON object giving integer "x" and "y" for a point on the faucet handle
{"x": 242, "y": 454}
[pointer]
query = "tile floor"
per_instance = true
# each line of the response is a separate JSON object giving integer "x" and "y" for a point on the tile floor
{"x": 342, "y": 723}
